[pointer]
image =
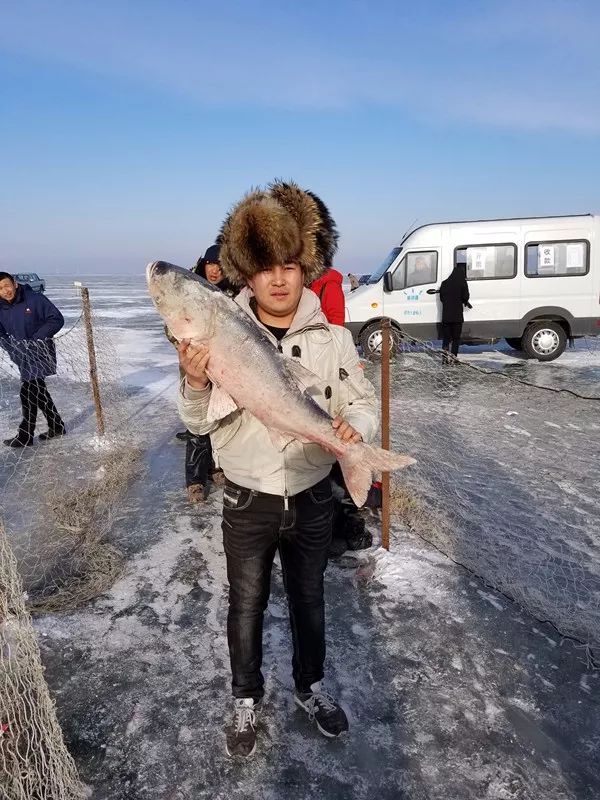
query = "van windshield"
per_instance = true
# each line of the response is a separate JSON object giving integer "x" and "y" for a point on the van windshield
{"x": 387, "y": 262}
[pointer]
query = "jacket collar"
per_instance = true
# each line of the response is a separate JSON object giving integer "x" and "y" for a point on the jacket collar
{"x": 308, "y": 314}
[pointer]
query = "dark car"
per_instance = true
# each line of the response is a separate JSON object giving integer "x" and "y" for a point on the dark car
{"x": 31, "y": 279}
{"x": 363, "y": 279}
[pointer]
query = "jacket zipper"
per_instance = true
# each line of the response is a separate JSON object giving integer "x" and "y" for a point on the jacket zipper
{"x": 286, "y": 505}
{"x": 319, "y": 326}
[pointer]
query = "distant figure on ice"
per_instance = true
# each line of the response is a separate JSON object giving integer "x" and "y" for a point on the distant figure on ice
{"x": 328, "y": 289}
{"x": 354, "y": 283}
{"x": 28, "y": 321}
{"x": 454, "y": 294}
{"x": 278, "y": 498}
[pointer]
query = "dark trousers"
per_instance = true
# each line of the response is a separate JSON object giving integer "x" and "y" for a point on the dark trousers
{"x": 451, "y": 332}
{"x": 198, "y": 460}
{"x": 34, "y": 395}
{"x": 255, "y": 527}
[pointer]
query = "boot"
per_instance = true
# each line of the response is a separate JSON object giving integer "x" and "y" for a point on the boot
{"x": 51, "y": 433}
{"x": 196, "y": 493}
{"x": 19, "y": 440}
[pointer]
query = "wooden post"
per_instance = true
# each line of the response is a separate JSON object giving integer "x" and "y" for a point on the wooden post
{"x": 89, "y": 332}
{"x": 385, "y": 431}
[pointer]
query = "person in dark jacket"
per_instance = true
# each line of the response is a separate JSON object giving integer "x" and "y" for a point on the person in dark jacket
{"x": 199, "y": 467}
{"x": 209, "y": 268}
{"x": 454, "y": 294}
{"x": 28, "y": 321}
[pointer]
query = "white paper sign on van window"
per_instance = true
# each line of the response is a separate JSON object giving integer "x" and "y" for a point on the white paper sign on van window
{"x": 478, "y": 255}
{"x": 576, "y": 256}
{"x": 545, "y": 257}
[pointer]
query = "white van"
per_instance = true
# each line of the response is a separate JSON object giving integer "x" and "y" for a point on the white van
{"x": 533, "y": 281}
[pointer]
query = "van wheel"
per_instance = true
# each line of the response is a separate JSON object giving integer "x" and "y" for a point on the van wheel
{"x": 516, "y": 344}
{"x": 371, "y": 340}
{"x": 545, "y": 340}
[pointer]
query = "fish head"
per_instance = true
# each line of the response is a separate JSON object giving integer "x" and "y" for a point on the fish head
{"x": 184, "y": 300}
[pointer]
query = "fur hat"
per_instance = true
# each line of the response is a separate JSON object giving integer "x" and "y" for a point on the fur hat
{"x": 278, "y": 225}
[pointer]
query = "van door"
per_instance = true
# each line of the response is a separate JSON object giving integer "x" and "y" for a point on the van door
{"x": 408, "y": 303}
{"x": 494, "y": 287}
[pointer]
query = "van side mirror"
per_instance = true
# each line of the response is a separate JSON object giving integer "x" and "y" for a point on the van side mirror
{"x": 432, "y": 291}
{"x": 388, "y": 280}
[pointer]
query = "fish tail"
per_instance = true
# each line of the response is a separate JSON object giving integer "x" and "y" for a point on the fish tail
{"x": 361, "y": 460}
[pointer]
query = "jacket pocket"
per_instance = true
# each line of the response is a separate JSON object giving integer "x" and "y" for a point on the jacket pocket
{"x": 225, "y": 432}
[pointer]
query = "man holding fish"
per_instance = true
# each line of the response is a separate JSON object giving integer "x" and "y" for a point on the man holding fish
{"x": 283, "y": 396}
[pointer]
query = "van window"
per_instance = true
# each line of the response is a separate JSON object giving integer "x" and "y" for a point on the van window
{"x": 421, "y": 268}
{"x": 416, "y": 269}
{"x": 488, "y": 261}
{"x": 383, "y": 268}
{"x": 557, "y": 259}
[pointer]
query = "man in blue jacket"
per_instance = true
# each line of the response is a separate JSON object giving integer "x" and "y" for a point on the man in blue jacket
{"x": 28, "y": 321}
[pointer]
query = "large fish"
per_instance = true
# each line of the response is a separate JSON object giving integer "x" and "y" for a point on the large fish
{"x": 247, "y": 371}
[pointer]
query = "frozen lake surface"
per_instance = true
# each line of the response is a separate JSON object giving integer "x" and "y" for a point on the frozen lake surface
{"x": 454, "y": 692}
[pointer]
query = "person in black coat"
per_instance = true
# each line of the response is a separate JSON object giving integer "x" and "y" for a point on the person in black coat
{"x": 28, "y": 321}
{"x": 199, "y": 467}
{"x": 454, "y": 294}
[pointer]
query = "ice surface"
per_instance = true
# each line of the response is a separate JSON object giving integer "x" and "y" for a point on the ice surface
{"x": 433, "y": 665}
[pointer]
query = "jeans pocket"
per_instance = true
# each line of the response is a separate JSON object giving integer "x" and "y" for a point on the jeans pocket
{"x": 236, "y": 498}
{"x": 321, "y": 493}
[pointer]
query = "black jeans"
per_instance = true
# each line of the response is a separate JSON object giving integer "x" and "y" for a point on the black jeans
{"x": 198, "y": 459}
{"x": 34, "y": 394}
{"x": 451, "y": 332}
{"x": 255, "y": 526}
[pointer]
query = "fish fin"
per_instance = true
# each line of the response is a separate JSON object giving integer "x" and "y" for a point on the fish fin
{"x": 280, "y": 440}
{"x": 303, "y": 376}
{"x": 360, "y": 461}
{"x": 220, "y": 405}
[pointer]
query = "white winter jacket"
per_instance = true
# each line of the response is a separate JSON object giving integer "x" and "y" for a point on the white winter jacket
{"x": 241, "y": 444}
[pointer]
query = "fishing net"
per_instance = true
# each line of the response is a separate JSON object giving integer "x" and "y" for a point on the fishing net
{"x": 58, "y": 502}
{"x": 34, "y": 762}
{"x": 507, "y": 480}
{"x": 58, "y": 497}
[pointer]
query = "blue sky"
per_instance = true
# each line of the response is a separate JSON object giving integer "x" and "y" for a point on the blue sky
{"x": 128, "y": 129}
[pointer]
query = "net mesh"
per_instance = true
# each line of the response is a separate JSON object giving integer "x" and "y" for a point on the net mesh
{"x": 58, "y": 497}
{"x": 506, "y": 483}
{"x": 34, "y": 762}
{"x": 58, "y": 501}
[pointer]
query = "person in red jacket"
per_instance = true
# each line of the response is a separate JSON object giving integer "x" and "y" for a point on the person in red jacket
{"x": 329, "y": 290}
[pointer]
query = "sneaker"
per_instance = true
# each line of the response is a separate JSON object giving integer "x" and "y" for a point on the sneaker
{"x": 17, "y": 441}
{"x": 43, "y": 437}
{"x": 241, "y": 736}
{"x": 321, "y": 708}
{"x": 196, "y": 493}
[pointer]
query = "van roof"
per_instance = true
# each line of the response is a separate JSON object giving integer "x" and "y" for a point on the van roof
{"x": 489, "y": 219}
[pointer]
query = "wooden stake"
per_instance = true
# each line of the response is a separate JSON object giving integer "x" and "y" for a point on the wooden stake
{"x": 89, "y": 332}
{"x": 385, "y": 431}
